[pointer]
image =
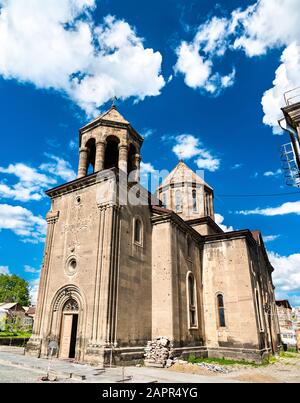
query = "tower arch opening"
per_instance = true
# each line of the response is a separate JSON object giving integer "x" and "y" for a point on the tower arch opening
{"x": 111, "y": 158}
{"x": 91, "y": 158}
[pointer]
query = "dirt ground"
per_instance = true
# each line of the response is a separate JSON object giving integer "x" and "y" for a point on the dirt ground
{"x": 283, "y": 370}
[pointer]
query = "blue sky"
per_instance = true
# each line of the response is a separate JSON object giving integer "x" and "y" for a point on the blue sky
{"x": 195, "y": 76}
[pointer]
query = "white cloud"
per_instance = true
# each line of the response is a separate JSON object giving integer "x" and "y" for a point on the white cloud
{"x": 23, "y": 223}
{"x": 255, "y": 30}
{"x": 219, "y": 219}
{"x": 273, "y": 173}
{"x": 32, "y": 183}
{"x": 286, "y": 276}
{"x": 147, "y": 168}
{"x": 195, "y": 59}
{"x": 286, "y": 208}
{"x": 33, "y": 290}
{"x": 195, "y": 69}
{"x": 59, "y": 167}
{"x": 148, "y": 133}
{"x": 4, "y": 270}
{"x": 270, "y": 238}
{"x": 237, "y": 166}
{"x": 20, "y": 192}
{"x": 56, "y": 44}
{"x": 30, "y": 187}
{"x": 31, "y": 270}
{"x": 286, "y": 78}
{"x": 267, "y": 24}
{"x": 26, "y": 173}
{"x": 73, "y": 145}
{"x": 188, "y": 146}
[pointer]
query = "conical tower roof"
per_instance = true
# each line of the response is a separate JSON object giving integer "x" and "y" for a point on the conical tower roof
{"x": 182, "y": 173}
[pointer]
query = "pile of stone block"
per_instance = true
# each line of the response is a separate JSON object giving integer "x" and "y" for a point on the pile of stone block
{"x": 159, "y": 353}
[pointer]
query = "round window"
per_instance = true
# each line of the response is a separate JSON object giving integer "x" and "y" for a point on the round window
{"x": 73, "y": 264}
{"x": 71, "y": 267}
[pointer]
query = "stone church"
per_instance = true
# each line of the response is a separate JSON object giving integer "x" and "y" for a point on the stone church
{"x": 117, "y": 274}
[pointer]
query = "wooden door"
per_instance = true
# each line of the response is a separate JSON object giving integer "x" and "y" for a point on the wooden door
{"x": 66, "y": 334}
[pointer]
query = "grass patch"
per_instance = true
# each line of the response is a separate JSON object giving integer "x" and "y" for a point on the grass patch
{"x": 289, "y": 354}
{"x": 8, "y": 335}
{"x": 228, "y": 362}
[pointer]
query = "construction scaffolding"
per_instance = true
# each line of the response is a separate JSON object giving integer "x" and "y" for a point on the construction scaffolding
{"x": 289, "y": 165}
{"x": 290, "y": 152}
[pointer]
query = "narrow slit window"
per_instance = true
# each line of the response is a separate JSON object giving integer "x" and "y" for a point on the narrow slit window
{"x": 178, "y": 199}
{"x": 195, "y": 205}
{"x": 259, "y": 311}
{"x": 192, "y": 302}
{"x": 221, "y": 310}
{"x": 138, "y": 231}
{"x": 189, "y": 246}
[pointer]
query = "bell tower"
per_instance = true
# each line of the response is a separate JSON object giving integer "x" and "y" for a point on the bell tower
{"x": 94, "y": 242}
{"x": 109, "y": 142}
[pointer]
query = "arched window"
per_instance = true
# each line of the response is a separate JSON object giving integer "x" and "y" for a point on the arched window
{"x": 178, "y": 201}
{"x": 111, "y": 159}
{"x": 192, "y": 301}
{"x": 138, "y": 232}
{"x": 195, "y": 205}
{"x": 221, "y": 310}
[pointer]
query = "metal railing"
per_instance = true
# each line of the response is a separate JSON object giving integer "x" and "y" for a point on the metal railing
{"x": 292, "y": 96}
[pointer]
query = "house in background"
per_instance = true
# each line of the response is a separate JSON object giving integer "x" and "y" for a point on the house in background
{"x": 287, "y": 330}
{"x": 29, "y": 316}
{"x": 10, "y": 311}
{"x": 296, "y": 321}
{"x": 296, "y": 317}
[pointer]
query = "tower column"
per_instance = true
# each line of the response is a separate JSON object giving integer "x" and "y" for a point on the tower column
{"x": 137, "y": 164}
{"x": 107, "y": 292}
{"x": 100, "y": 156}
{"x": 34, "y": 346}
{"x": 83, "y": 161}
{"x": 123, "y": 157}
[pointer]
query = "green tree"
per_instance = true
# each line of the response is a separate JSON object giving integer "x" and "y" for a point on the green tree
{"x": 14, "y": 289}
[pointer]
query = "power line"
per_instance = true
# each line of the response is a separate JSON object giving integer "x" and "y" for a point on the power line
{"x": 260, "y": 195}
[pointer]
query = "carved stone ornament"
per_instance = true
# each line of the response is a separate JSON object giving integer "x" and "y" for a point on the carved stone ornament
{"x": 71, "y": 306}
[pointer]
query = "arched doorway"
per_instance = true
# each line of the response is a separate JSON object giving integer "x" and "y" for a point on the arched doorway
{"x": 69, "y": 328}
